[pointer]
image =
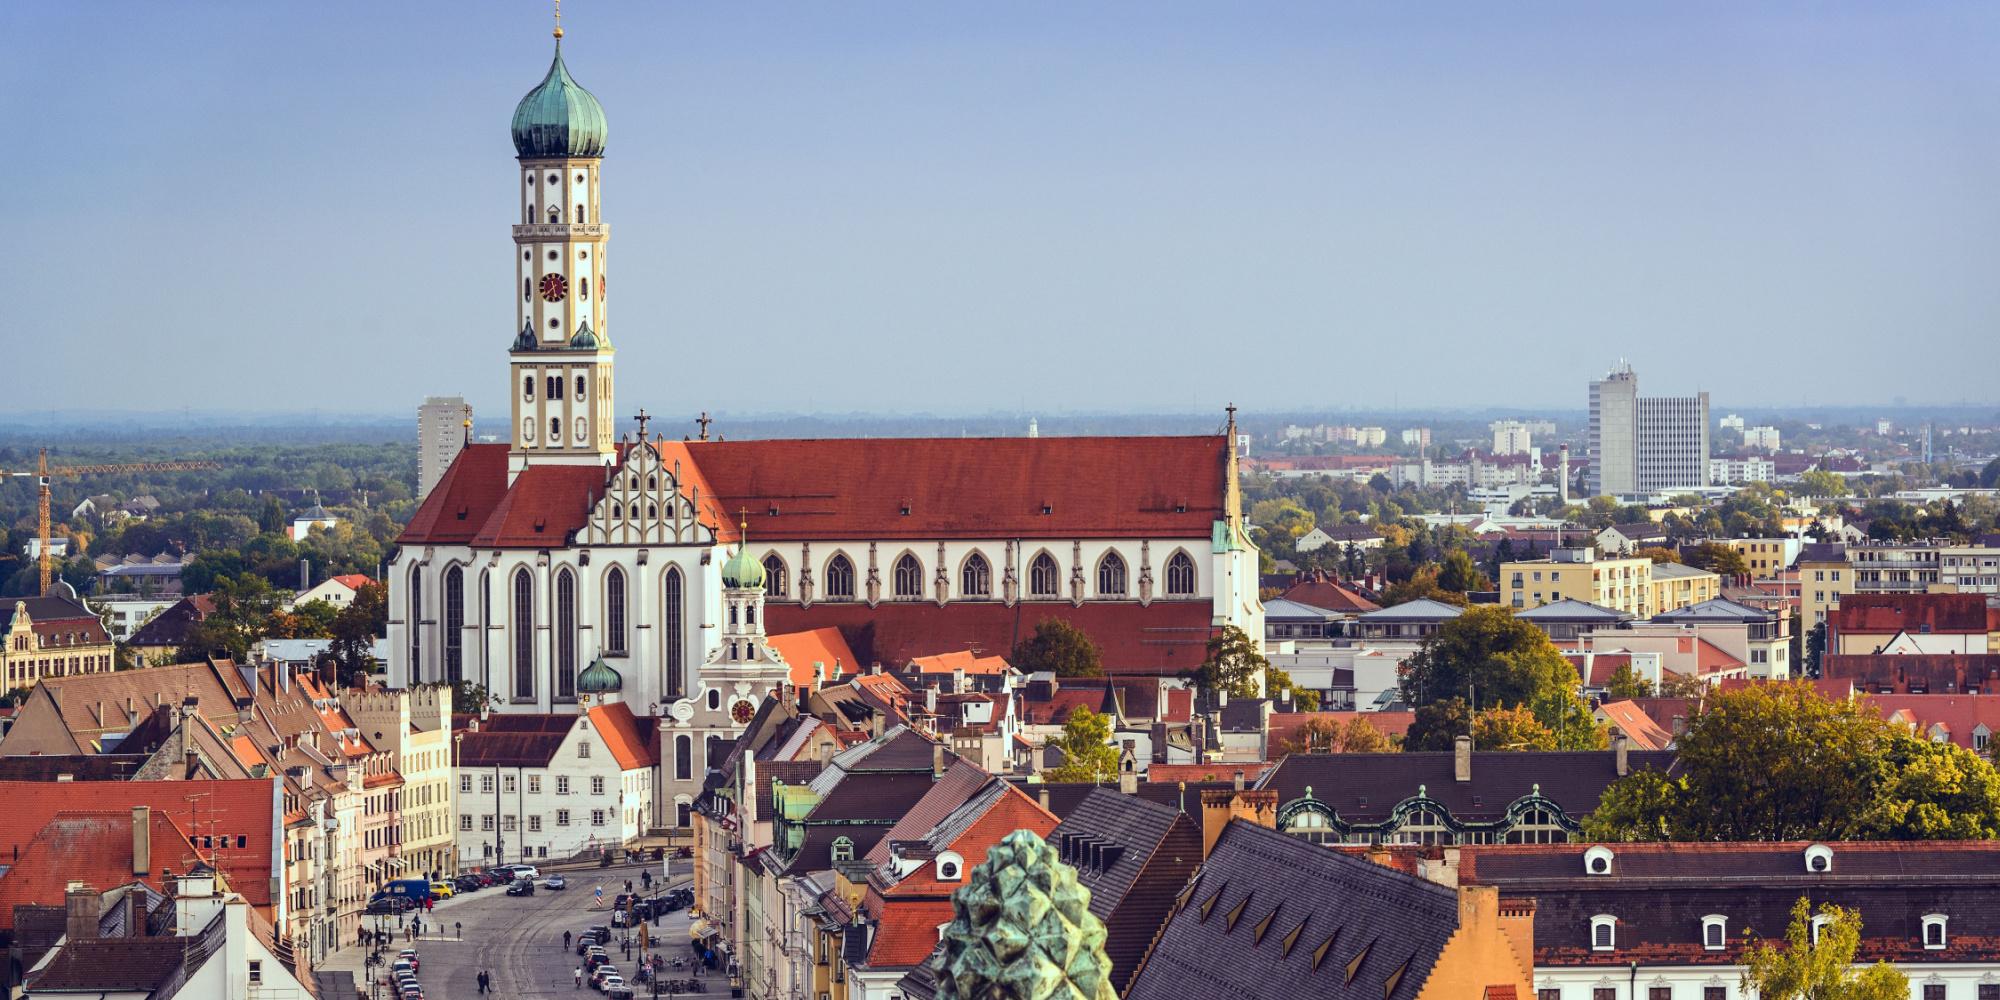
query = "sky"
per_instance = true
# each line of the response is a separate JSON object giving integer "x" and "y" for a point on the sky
{"x": 893, "y": 207}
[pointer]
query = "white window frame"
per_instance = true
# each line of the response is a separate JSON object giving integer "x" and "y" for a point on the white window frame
{"x": 1609, "y": 925}
{"x": 1720, "y": 925}
{"x": 1593, "y": 857}
{"x": 1937, "y": 920}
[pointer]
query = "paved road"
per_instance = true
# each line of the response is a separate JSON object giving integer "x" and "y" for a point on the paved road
{"x": 518, "y": 940}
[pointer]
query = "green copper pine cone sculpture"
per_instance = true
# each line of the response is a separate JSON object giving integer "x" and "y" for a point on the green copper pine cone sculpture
{"x": 1022, "y": 929}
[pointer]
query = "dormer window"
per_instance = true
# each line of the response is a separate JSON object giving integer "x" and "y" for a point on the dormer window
{"x": 950, "y": 866}
{"x": 1597, "y": 861}
{"x": 1819, "y": 859}
{"x": 1603, "y": 932}
{"x": 1934, "y": 932}
{"x": 1714, "y": 931}
{"x": 843, "y": 850}
{"x": 1819, "y": 921}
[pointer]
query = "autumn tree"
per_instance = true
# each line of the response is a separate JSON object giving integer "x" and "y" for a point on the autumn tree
{"x": 1060, "y": 648}
{"x": 1458, "y": 574}
{"x": 1086, "y": 748}
{"x": 1510, "y": 729}
{"x": 1659, "y": 554}
{"x": 1805, "y": 968}
{"x": 1323, "y": 735}
{"x": 1719, "y": 559}
{"x": 355, "y": 629}
{"x": 1422, "y": 584}
{"x": 1489, "y": 659}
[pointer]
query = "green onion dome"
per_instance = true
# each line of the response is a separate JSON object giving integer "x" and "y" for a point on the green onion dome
{"x": 599, "y": 678}
{"x": 585, "y": 339}
{"x": 525, "y": 341}
{"x": 558, "y": 118}
{"x": 741, "y": 571}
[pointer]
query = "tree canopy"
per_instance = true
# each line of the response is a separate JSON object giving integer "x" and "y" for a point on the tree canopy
{"x": 1086, "y": 748}
{"x": 1059, "y": 647}
{"x": 1781, "y": 762}
{"x": 1487, "y": 658}
{"x": 1234, "y": 665}
{"x": 1805, "y": 969}
{"x": 1323, "y": 735}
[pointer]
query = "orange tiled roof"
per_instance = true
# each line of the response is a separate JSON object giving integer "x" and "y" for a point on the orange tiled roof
{"x": 964, "y": 659}
{"x": 623, "y": 736}
{"x": 824, "y": 646}
{"x": 1638, "y": 727}
{"x": 908, "y": 932}
{"x": 93, "y": 847}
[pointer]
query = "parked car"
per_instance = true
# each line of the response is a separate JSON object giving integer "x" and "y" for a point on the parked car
{"x": 601, "y": 933}
{"x": 443, "y": 890}
{"x": 555, "y": 882}
{"x": 523, "y": 871}
{"x": 521, "y": 887}
{"x": 410, "y": 955}
{"x": 601, "y": 972}
{"x": 468, "y": 883}
{"x": 620, "y": 991}
{"x": 391, "y": 904}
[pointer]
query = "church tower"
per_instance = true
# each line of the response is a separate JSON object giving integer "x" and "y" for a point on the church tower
{"x": 561, "y": 359}
{"x": 743, "y": 663}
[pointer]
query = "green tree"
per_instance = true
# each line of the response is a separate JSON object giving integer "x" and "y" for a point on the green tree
{"x": 1659, "y": 555}
{"x": 244, "y": 606}
{"x": 1234, "y": 665}
{"x": 1626, "y": 683}
{"x": 1491, "y": 659}
{"x": 271, "y": 520}
{"x": 1459, "y": 574}
{"x": 1815, "y": 649}
{"x": 1086, "y": 748}
{"x": 356, "y": 628}
{"x": 1719, "y": 559}
{"x": 1823, "y": 969}
{"x": 1780, "y": 762}
{"x": 1820, "y": 483}
{"x": 1421, "y": 585}
{"x": 1059, "y": 647}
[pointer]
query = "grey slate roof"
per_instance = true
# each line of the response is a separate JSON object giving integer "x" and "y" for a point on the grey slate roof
{"x": 1571, "y": 609}
{"x": 1274, "y": 916}
{"x": 1675, "y": 571}
{"x": 1422, "y": 609}
{"x": 1719, "y": 609}
{"x": 1279, "y": 608}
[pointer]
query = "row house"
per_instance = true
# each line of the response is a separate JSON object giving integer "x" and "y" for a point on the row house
{"x": 532, "y": 788}
{"x": 54, "y": 635}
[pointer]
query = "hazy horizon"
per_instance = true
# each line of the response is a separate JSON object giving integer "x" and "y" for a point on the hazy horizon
{"x": 1130, "y": 208}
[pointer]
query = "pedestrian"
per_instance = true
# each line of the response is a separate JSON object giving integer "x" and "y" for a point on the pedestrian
{"x": 482, "y": 981}
{"x": 565, "y": 940}
{"x": 579, "y": 977}
{"x": 458, "y": 930}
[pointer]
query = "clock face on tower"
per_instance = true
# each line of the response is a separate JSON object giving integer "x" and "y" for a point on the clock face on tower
{"x": 554, "y": 287}
{"x": 742, "y": 712}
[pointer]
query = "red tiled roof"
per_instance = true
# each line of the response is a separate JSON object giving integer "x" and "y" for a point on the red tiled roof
{"x": 352, "y": 581}
{"x": 1638, "y": 727}
{"x": 909, "y": 933}
{"x": 91, "y": 847}
{"x": 1959, "y": 715}
{"x": 1602, "y": 666}
{"x": 1163, "y": 639}
{"x": 1011, "y": 810}
{"x": 930, "y": 488}
{"x": 1056, "y": 708}
{"x": 244, "y": 808}
{"x": 1500, "y": 993}
{"x": 1887, "y": 614}
{"x": 1915, "y": 672}
{"x": 1331, "y": 595}
{"x": 801, "y": 650}
{"x": 621, "y": 733}
{"x": 963, "y": 659}
{"x": 1171, "y": 773}
{"x": 1710, "y": 658}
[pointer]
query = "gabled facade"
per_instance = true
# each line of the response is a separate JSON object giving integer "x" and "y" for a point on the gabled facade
{"x": 551, "y": 787}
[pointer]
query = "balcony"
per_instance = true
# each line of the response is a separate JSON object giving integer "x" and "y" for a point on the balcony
{"x": 557, "y": 232}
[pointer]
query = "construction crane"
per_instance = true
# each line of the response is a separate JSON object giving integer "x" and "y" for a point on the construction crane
{"x": 43, "y": 474}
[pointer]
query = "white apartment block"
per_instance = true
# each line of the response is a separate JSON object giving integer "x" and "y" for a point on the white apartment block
{"x": 1511, "y": 437}
{"x": 443, "y": 425}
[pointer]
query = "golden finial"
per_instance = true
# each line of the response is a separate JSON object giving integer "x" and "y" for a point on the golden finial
{"x": 558, "y": 20}
{"x": 743, "y": 520}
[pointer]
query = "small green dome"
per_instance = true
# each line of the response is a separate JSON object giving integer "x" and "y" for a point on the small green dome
{"x": 741, "y": 571}
{"x": 526, "y": 340}
{"x": 586, "y": 339}
{"x": 558, "y": 118}
{"x": 599, "y": 678}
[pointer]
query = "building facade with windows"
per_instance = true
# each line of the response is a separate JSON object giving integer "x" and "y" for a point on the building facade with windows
{"x": 534, "y": 788}
{"x": 568, "y": 544}
{"x": 1672, "y": 921}
{"x": 1644, "y": 444}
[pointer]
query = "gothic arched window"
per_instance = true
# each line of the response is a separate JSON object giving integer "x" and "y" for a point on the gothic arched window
{"x": 840, "y": 578}
{"x": 1044, "y": 576}
{"x": 454, "y": 624}
{"x": 1111, "y": 575}
{"x": 670, "y": 631}
{"x": 416, "y": 622}
{"x": 565, "y": 634}
{"x": 775, "y": 583}
{"x": 1180, "y": 575}
{"x": 909, "y": 581}
{"x": 524, "y": 634}
{"x": 683, "y": 757}
{"x": 614, "y": 611}
{"x": 976, "y": 579}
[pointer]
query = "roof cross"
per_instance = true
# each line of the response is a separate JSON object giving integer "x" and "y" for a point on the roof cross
{"x": 642, "y": 418}
{"x": 703, "y": 421}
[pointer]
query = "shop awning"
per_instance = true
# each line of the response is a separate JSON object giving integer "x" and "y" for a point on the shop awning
{"x": 702, "y": 930}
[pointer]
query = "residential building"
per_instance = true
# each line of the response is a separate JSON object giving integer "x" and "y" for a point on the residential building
{"x": 1411, "y": 621}
{"x": 1766, "y": 557}
{"x": 1675, "y": 920}
{"x": 552, "y": 786}
{"x": 1361, "y": 536}
{"x": 1968, "y": 720}
{"x": 444, "y": 425}
{"x": 413, "y": 726}
{"x": 1632, "y": 584}
{"x": 1736, "y": 470}
{"x": 1915, "y": 673}
{"x": 1511, "y": 437}
{"x": 1419, "y": 437}
{"x": 1625, "y": 539}
{"x": 1568, "y": 622}
{"x": 1764, "y": 438}
{"x": 335, "y": 590}
{"x": 1914, "y": 623}
{"x": 315, "y": 516}
{"x": 124, "y": 614}
{"x": 1824, "y": 575}
{"x": 1759, "y": 637}
{"x": 1640, "y": 445}
{"x": 159, "y": 640}
{"x": 1273, "y": 917}
{"x": 54, "y": 635}
{"x": 1437, "y": 798}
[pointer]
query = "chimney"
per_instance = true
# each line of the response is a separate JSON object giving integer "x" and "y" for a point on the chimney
{"x": 1045, "y": 796}
{"x": 1159, "y": 741}
{"x": 1461, "y": 758}
{"x": 81, "y": 909}
{"x": 930, "y": 699}
{"x": 1128, "y": 782}
{"x": 958, "y": 680}
{"x": 1219, "y": 806}
{"x": 305, "y": 575}
{"x": 1562, "y": 474}
{"x": 826, "y": 754}
{"x": 937, "y": 761}
{"x": 1239, "y": 779}
{"x": 142, "y": 840}
{"x": 1618, "y": 750}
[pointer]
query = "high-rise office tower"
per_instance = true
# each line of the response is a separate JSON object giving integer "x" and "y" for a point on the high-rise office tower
{"x": 1644, "y": 445}
{"x": 441, "y": 431}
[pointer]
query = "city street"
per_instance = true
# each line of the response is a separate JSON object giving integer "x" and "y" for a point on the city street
{"x": 518, "y": 940}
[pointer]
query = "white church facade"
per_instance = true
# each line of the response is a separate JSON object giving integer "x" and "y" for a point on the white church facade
{"x": 530, "y": 561}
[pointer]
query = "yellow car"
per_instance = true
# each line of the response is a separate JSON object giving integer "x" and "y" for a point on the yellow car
{"x": 442, "y": 890}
